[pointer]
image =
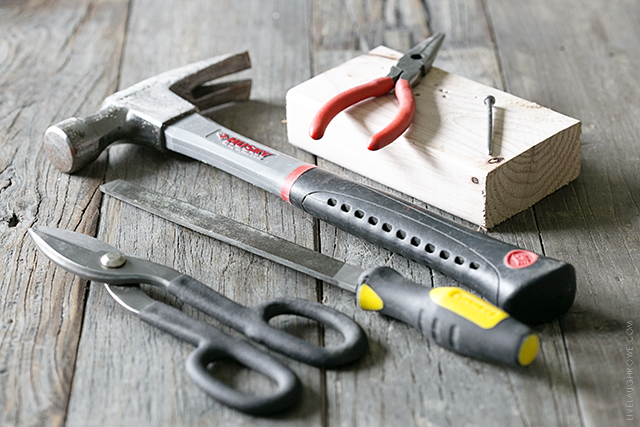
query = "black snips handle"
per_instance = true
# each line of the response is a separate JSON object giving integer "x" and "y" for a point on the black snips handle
{"x": 213, "y": 345}
{"x": 254, "y": 323}
{"x": 530, "y": 287}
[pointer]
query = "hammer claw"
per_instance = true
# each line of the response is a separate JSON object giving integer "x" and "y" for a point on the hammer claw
{"x": 207, "y": 96}
{"x": 190, "y": 80}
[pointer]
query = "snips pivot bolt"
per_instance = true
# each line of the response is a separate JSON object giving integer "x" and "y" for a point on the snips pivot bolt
{"x": 112, "y": 260}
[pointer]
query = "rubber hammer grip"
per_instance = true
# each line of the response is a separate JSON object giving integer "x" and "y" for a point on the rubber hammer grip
{"x": 74, "y": 143}
{"x": 532, "y": 288}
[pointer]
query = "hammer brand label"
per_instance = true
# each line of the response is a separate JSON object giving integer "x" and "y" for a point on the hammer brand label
{"x": 245, "y": 147}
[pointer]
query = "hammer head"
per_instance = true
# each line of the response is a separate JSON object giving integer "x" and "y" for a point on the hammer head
{"x": 141, "y": 112}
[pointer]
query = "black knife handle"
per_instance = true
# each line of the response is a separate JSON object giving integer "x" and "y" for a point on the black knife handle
{"x": 530, "y": 287}
{"x": 452, "y": 317}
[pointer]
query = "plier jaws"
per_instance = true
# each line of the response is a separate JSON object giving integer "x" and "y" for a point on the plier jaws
{"x": 405, "y": 74}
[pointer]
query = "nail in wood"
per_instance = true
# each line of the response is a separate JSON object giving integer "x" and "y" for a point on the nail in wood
{"x": 489, "y": 101}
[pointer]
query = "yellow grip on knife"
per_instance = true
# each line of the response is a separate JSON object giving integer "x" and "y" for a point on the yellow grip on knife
{"x": 469, "y": 306}
{"x": 368, "y": 299}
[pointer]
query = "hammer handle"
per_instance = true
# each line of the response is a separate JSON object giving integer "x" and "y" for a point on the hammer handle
{"x": 530, "y": 287}
{"x": 203, "y": 139}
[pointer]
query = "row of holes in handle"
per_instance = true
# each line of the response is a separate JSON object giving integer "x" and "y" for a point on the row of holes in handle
{"x": 401, "y": 234}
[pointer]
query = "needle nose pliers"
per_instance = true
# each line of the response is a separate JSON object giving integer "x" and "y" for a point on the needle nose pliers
{"x": 405, "y": 74}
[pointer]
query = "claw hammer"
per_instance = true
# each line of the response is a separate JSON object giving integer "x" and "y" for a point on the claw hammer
{"x": 162, "y": 112}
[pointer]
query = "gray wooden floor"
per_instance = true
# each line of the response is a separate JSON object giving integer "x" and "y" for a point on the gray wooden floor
{"x": 69, "y": 355}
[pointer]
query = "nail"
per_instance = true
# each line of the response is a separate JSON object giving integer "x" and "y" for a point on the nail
{"x": 489, "y": 101}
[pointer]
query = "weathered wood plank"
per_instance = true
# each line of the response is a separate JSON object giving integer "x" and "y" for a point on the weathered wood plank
{"x": 138, "y": 372}
{"x": 593, "y": 223}
{"x": 59, "y": 59}
{"x": 55, "y": 58}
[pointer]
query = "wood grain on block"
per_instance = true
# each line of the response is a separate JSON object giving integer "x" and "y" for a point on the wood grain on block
{"x": 442, "y": 158}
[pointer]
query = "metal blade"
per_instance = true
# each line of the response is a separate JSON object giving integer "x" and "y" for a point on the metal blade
{"x": 64, "y": 240}
{"x": 219, "y": 227}
{"x": 81, "y": 255}
{"x": 130, "y": 297}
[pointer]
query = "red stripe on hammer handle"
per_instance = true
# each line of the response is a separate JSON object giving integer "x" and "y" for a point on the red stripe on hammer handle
{"x": 285, "y": 189}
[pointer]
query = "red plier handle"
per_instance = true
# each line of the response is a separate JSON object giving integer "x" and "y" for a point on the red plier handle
{"x": 405, "y": 74}
{"x": 374, "y": 88}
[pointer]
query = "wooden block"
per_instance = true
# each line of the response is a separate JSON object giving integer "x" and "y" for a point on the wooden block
{"x": 442, "y": 158}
